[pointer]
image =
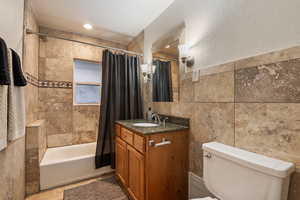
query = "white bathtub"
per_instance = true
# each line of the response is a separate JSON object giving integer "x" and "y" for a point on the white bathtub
{"x": 64, "y": 165}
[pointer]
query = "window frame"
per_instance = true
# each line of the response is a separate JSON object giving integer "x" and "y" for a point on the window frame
{"x": 75, "y": 83}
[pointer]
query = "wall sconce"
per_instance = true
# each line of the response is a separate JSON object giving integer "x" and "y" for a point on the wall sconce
{"x": 147, "y": 71}
{"x": 184, "y": 52}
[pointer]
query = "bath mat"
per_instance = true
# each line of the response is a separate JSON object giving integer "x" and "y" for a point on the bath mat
{"x": 107, "y": 189}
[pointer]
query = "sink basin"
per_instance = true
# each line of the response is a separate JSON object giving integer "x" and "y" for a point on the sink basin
{"x": 145, "y": 125}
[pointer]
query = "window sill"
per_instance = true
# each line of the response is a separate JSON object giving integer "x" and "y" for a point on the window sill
{"x": 86, "y": 104}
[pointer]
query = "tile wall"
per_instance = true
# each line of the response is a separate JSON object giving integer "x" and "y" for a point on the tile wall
{"x": 30, "y": 66}
{"x": 253, "y": 104}
{"x": 36, "y": 145}
{"x": 66, "y": 124}
{"x": 12, "y": 159}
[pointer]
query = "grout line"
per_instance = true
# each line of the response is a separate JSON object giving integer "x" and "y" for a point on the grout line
{"x": 265, "y": 102}
{"x": 244, "y": 102}
{"x": 234, "y": 103}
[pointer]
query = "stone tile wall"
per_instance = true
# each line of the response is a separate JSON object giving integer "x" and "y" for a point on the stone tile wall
{"x": 137, "y": 44}
{"x": 253, "y": 104}
{"x": 12, "y": 159}
{"x": 12, "y": 176}
{"x": 30, "y": 64}
{"x": 36, "y": 145}
{"x": 66, "y": 124}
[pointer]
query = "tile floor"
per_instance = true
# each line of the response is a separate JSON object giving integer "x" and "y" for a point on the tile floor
{"x": 58, "y": 193}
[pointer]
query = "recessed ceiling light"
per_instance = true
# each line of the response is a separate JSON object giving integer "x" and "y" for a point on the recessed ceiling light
{"x": 88, "y": 26}
{"x": 168, "y": 46}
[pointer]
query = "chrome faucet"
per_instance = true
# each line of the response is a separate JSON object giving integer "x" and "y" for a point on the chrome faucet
{"x": 156, "y": 118}
{"x": 164, "y": 121}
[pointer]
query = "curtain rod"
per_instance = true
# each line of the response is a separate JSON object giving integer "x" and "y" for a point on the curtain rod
{"x": 28, "y": 31}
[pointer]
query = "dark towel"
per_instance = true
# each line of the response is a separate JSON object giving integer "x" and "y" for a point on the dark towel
{"x": 19, "y": 79}
{"x": 4, "y": 73}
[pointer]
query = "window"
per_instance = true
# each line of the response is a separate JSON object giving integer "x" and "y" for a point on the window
{"x": 87, "y": 83}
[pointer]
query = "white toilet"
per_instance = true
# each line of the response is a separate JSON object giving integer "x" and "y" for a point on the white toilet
{"x": 234, "y": 174}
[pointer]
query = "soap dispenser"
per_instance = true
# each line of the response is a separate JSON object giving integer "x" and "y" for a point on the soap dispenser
{"x": 149, "y": 114}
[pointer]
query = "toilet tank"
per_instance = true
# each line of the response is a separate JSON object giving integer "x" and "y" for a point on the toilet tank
{"x": 234, "y": 174}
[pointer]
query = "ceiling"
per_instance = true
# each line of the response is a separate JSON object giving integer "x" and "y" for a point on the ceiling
{"x": 114, "y": 20}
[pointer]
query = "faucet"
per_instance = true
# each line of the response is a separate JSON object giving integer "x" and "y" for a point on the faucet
{"x": 164, "y": 121}
{"x": 156, "y": 118}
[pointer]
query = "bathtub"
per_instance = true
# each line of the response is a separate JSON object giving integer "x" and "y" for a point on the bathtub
{"x": 64, "y": 165}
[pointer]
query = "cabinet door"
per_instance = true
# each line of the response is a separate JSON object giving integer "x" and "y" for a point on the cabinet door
{"x": 167, "y": 166}
{"x": 136, "y": 183}
{"x": 121, "y": 161}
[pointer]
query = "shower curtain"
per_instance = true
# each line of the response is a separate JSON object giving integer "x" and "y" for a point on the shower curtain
{"x": 162, "y": 82}
{"x": 120, "y": 100}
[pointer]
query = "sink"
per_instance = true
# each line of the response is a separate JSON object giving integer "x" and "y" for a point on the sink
{"x": 145, "y": 125}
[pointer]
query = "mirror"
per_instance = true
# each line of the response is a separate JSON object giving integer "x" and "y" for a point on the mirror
{"x": 165, "y": 61}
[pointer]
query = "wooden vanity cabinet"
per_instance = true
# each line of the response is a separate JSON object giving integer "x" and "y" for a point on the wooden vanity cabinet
{"x": 136, "y": 169}
{"x": 153, "y": 167}
{"x": 121, "y": 161}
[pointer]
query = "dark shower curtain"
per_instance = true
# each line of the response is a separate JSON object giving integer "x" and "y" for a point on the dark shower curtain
{"x": 162, "y": 82}
{"x": 120, "y": 100}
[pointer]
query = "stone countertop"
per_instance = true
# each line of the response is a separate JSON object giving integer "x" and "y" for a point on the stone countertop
{"x": 150, "y": 130}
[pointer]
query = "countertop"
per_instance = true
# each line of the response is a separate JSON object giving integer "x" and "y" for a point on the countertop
{"x": 150, "y": 130}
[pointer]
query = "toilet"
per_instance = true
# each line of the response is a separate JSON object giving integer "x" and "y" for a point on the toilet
{"x": 234, "y": 174}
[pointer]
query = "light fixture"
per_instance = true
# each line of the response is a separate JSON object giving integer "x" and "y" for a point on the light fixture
{"x": 167, "y": 46}
{"x": 144, "y": 68}
{"x": 147, "y": 71}
{"x": 153, "y": 68}
{"x": 184, "y": 52}
{"x": 88, "y": 26}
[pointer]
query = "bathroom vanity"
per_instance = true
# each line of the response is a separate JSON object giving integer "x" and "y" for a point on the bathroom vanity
{"x": 152, "y": 162}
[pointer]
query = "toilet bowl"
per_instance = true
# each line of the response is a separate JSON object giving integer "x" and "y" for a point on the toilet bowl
{"x": 234, "y": 174}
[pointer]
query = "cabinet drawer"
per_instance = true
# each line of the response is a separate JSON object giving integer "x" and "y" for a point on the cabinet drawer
{"x": 139, "y": 143}
{"x": 127, "y": 135}
{"x": 118, "y": 130}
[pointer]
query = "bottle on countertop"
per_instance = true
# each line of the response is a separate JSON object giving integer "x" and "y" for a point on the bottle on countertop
{"x": 149, "y": 114}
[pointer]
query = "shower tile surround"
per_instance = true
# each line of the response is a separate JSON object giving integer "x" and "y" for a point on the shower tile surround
{"x": 66, "y": 124}
{"x": 30, "y": 64}
{"x": 253, "y": 104}
{"x": 48, "y": 65}
{"x": 36, "y": 145}
{"x": 47, "y": 84}
{"x": 33, "y": 145}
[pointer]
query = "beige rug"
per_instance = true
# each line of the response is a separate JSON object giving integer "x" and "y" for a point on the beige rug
{"x": 107, "y": 189}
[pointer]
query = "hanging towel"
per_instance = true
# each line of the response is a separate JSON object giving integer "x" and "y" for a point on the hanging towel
{"x": 3, "y": 116}
{"x": 16, "y": 106}
{"x": 4, "y": 75}
{"x": 4, "y": 81}
{"x": 19, "y": 78}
